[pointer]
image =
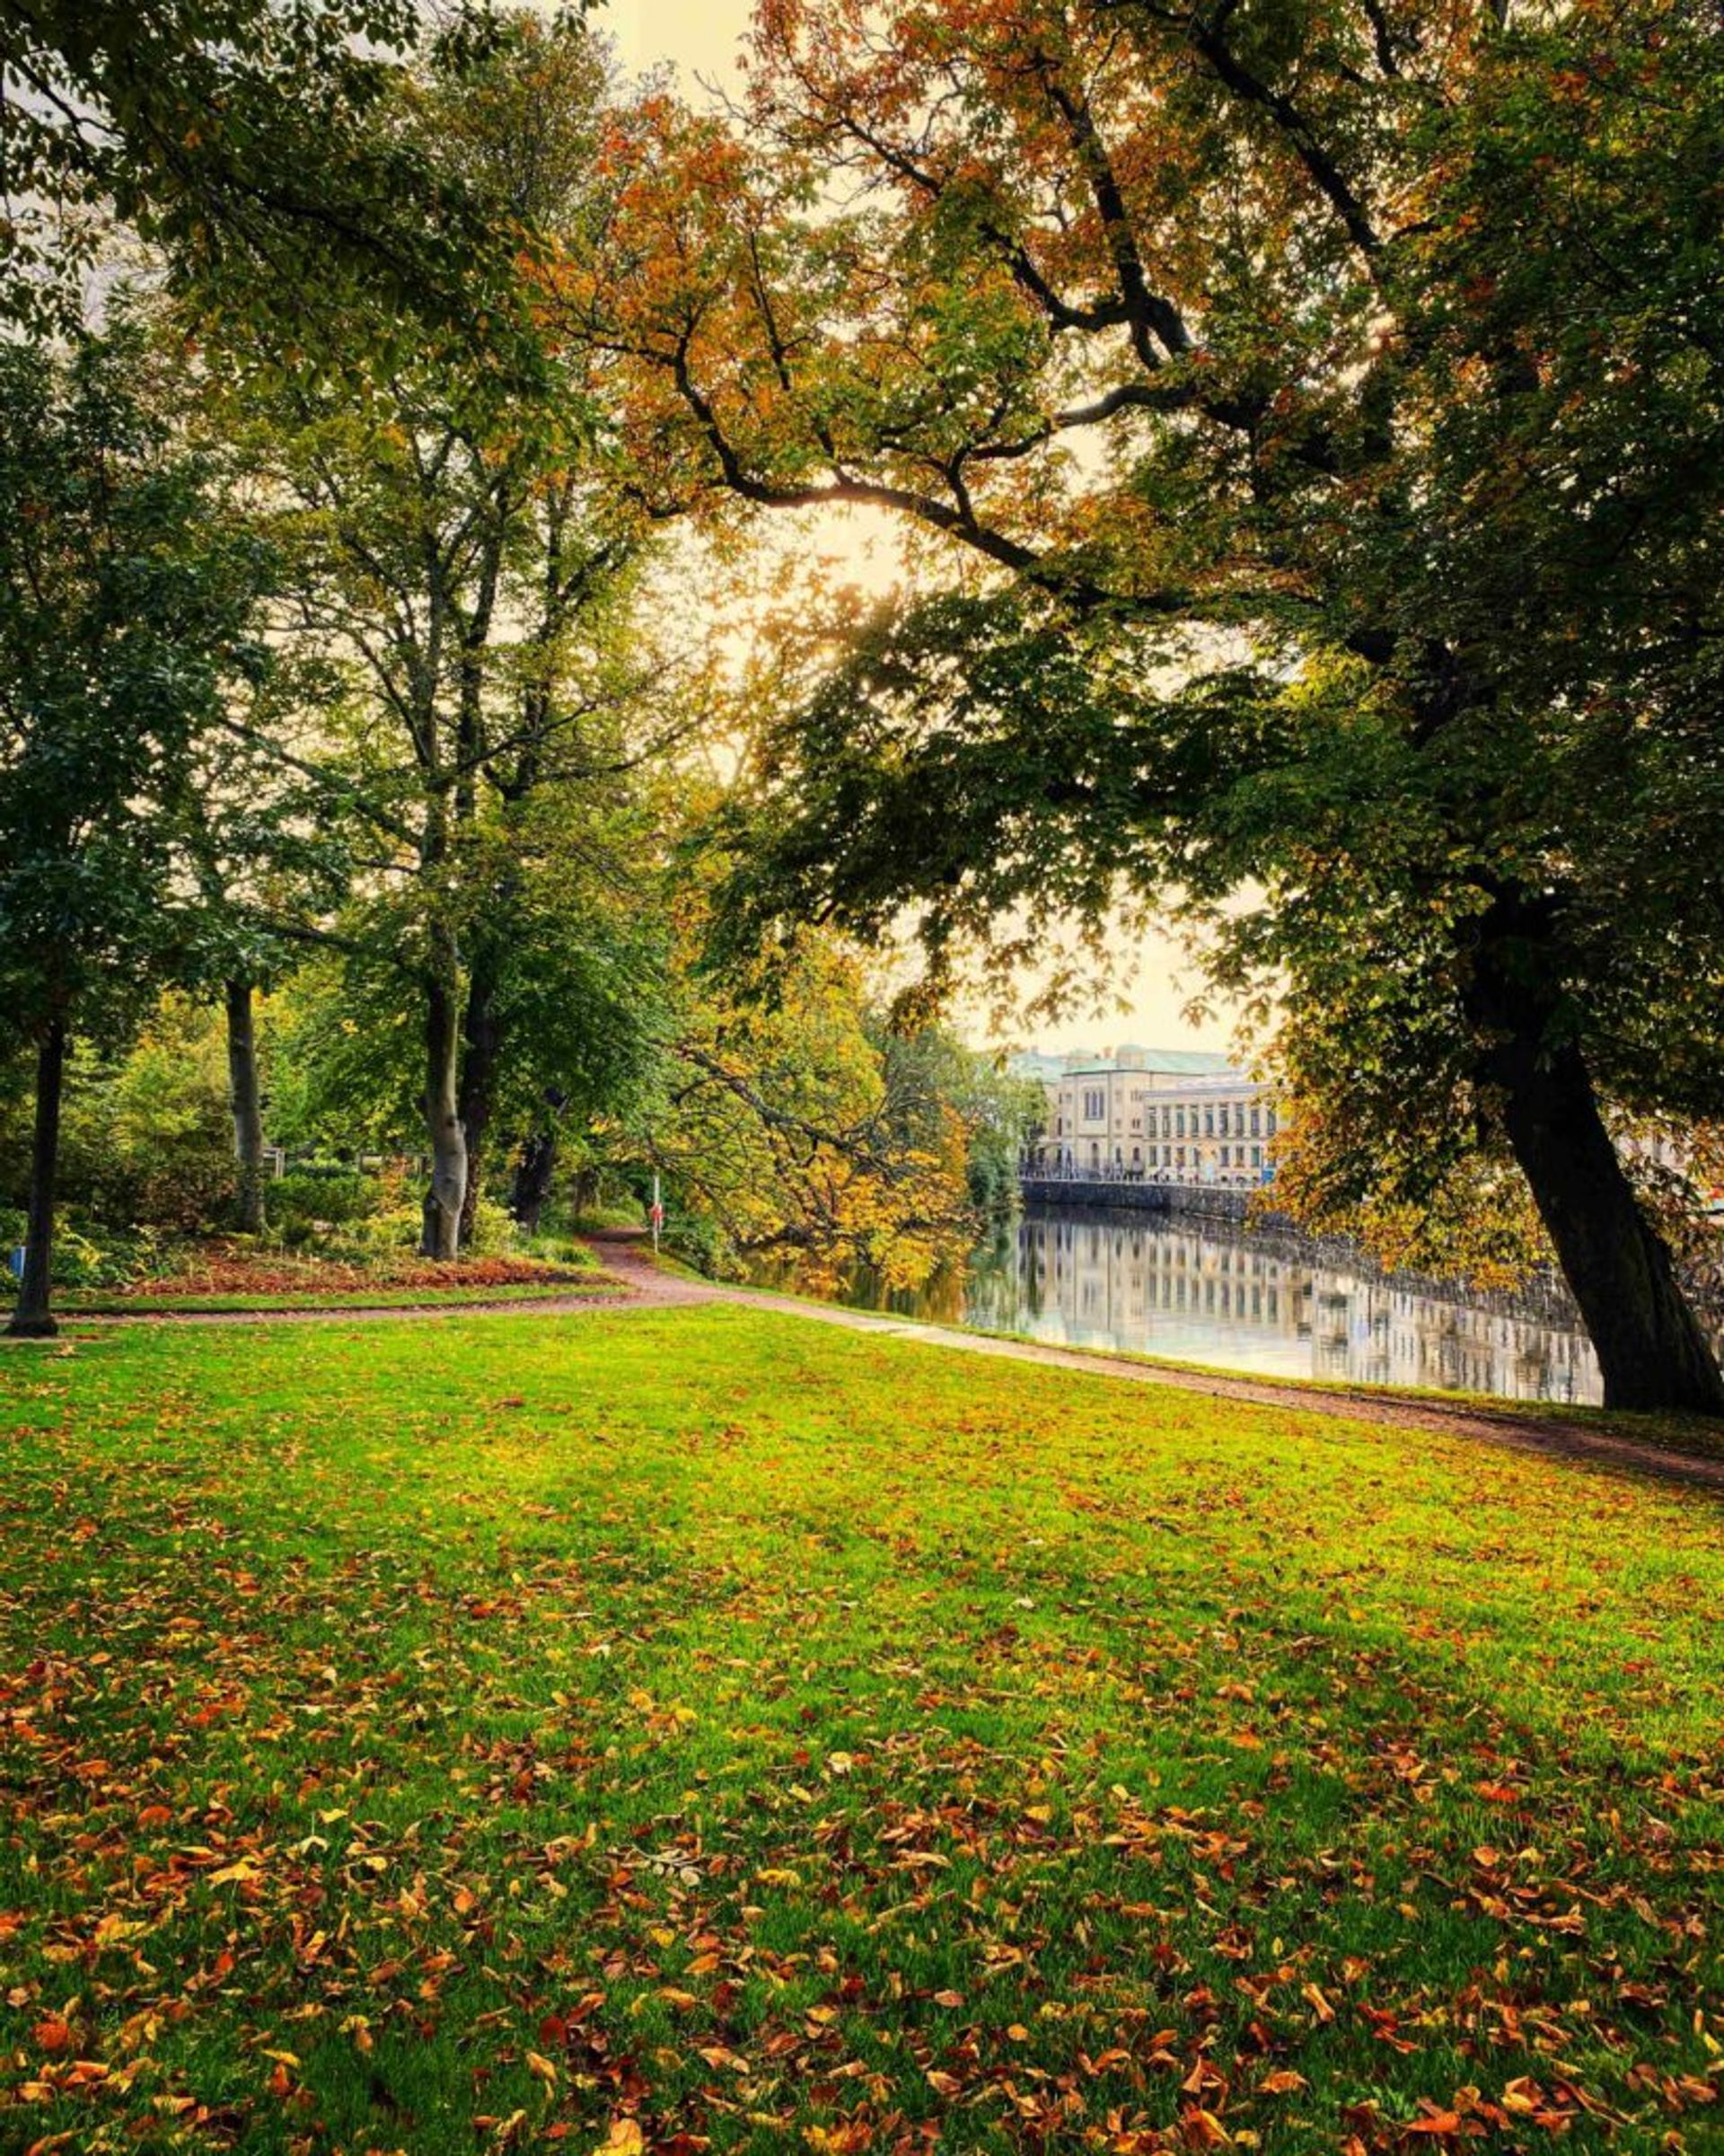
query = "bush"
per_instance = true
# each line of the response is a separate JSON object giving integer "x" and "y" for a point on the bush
{"x": 319, "y": 1192}
{"x": 494, "y": 1229}
{"x": 86, "y": 1254}
{"x": 493, "y": 1234}
{"x": 399, "y": 1227}
{"x": 701, "y": 1243}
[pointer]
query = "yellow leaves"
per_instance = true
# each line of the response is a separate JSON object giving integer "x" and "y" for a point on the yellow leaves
{"x": 624, "y": 2139}
{"x": 1315, "y": 2001}
{"x": 779, "y": 1875}
{"x": 541, "y": 2068}
{"x": 239, "y": 1874}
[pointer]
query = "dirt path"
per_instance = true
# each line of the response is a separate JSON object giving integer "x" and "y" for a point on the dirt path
{"x": 643, "y": 1285}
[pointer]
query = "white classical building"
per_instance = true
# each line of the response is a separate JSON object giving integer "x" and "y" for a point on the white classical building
{"x": 1156, "y": 1115}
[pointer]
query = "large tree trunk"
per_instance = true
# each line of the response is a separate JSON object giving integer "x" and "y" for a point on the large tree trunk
{"x": 31, "y": 1318}
{"x": 1650, "y": 1344}
{"x": 444, "y": 1199}
{"x": 1652, "y": 1349}
{"x": 532, "y": 1178}
{"x": 247, "y": 1102}
{"x": 480, "y": 1045}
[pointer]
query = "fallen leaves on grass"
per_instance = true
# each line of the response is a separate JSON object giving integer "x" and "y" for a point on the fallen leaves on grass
{"x": 370, "y": 1780}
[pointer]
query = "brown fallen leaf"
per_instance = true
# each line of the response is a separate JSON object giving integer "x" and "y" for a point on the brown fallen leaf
{"x": 1283, "y": 2081}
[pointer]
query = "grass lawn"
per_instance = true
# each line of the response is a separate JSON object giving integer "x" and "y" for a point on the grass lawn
{"x": 93, "y": 1302}
{"x": 699, "y": 1729}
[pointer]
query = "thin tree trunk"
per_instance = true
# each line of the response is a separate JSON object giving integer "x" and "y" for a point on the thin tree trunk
{"x": 447, "y": 1194}
{"x": 1652, "y": 1349}
{"x": 480, "y": 1045}
{"x": 31, "y": 1317}
{"x": 532, "y": 1178}
{"x": 247, "y": 1102}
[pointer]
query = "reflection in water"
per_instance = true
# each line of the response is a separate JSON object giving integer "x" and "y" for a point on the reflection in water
{"x": 1204, "y": 1292}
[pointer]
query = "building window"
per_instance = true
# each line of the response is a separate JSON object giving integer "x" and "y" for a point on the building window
{"x": 1256, "y": 1121}
{"x": 1223, "y": 1127}
{"x": 1095, "y": 1104}
{"x": 1269, "y": 1122}
{"x": 1179, "y": 1127}
{"x": 1256, "y": 1157}
{"x": 1209, "y": 1123}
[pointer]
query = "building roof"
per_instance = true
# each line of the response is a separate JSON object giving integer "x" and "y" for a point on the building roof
{"x": 1167, "y": 1062}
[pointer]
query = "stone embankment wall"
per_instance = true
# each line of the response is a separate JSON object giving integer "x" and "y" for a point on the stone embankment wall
{"x": 1214, "y": 1204}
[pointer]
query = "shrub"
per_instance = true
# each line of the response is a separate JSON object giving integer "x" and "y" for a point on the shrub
{"x": 318, "y": 1192}
{"x": 86, "y": 1253}
{"x": 494, "y": 1229}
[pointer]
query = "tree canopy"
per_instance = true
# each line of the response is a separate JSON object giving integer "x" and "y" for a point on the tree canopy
{"x": 129, "y": 624}
{"x": 1332, "y": 390}
{"x": 248, "y": 144}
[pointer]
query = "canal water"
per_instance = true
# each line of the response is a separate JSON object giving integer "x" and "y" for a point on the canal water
{"x": 1252, "y": 1300}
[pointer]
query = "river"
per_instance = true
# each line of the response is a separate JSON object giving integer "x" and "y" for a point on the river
{"x": 1239, "y": 1299}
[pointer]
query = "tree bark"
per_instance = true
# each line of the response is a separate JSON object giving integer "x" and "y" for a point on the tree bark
{"x": 447, "y": 1194}
{"x": 1652, "y": 1349}
{"x": 31, "y": 1317}
{"x": 532, "y": 1177}
{"x": 247, "y": 1103}
{"x": 480, "y": 1046}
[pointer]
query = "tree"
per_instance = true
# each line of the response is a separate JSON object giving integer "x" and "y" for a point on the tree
{"x": 1329, "y": 395}
{"x": 791, "y": 1125}
{"x": 242, "y": 139}
{"x": 465, "y": 561}
{"x": 128, "y": 605}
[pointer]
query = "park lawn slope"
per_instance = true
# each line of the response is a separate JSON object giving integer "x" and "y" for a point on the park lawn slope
{"x": 700, "y": 1729}
{"x": 94, "y": 1303}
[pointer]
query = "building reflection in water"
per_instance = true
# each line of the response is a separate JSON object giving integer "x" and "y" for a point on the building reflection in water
{"x": 1203, "y": 1293}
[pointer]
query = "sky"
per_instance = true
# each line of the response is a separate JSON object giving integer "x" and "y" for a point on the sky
{"x": 700, "y": 39}
{"x": 699, "y": 36}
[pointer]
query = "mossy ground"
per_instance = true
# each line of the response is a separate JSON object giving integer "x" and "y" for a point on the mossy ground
{"x": 698, "y": 1728}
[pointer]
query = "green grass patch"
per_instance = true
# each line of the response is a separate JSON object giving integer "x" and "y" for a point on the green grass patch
{"x": 92, "y": 1303}
{"x": 701, "y": 1729}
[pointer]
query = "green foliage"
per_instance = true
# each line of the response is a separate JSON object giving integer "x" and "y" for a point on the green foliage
{"x": 146, "y": 1141}
{"x": 249, "y": 141}
{"x": 88, "y": 1252}
{"x": 305, "y": 1197}
{"x": 1352, "y": 533}
{"x": 129, "y": 632}
{"x": 465, "y": 563}
{"x": 930, "y": 1076}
